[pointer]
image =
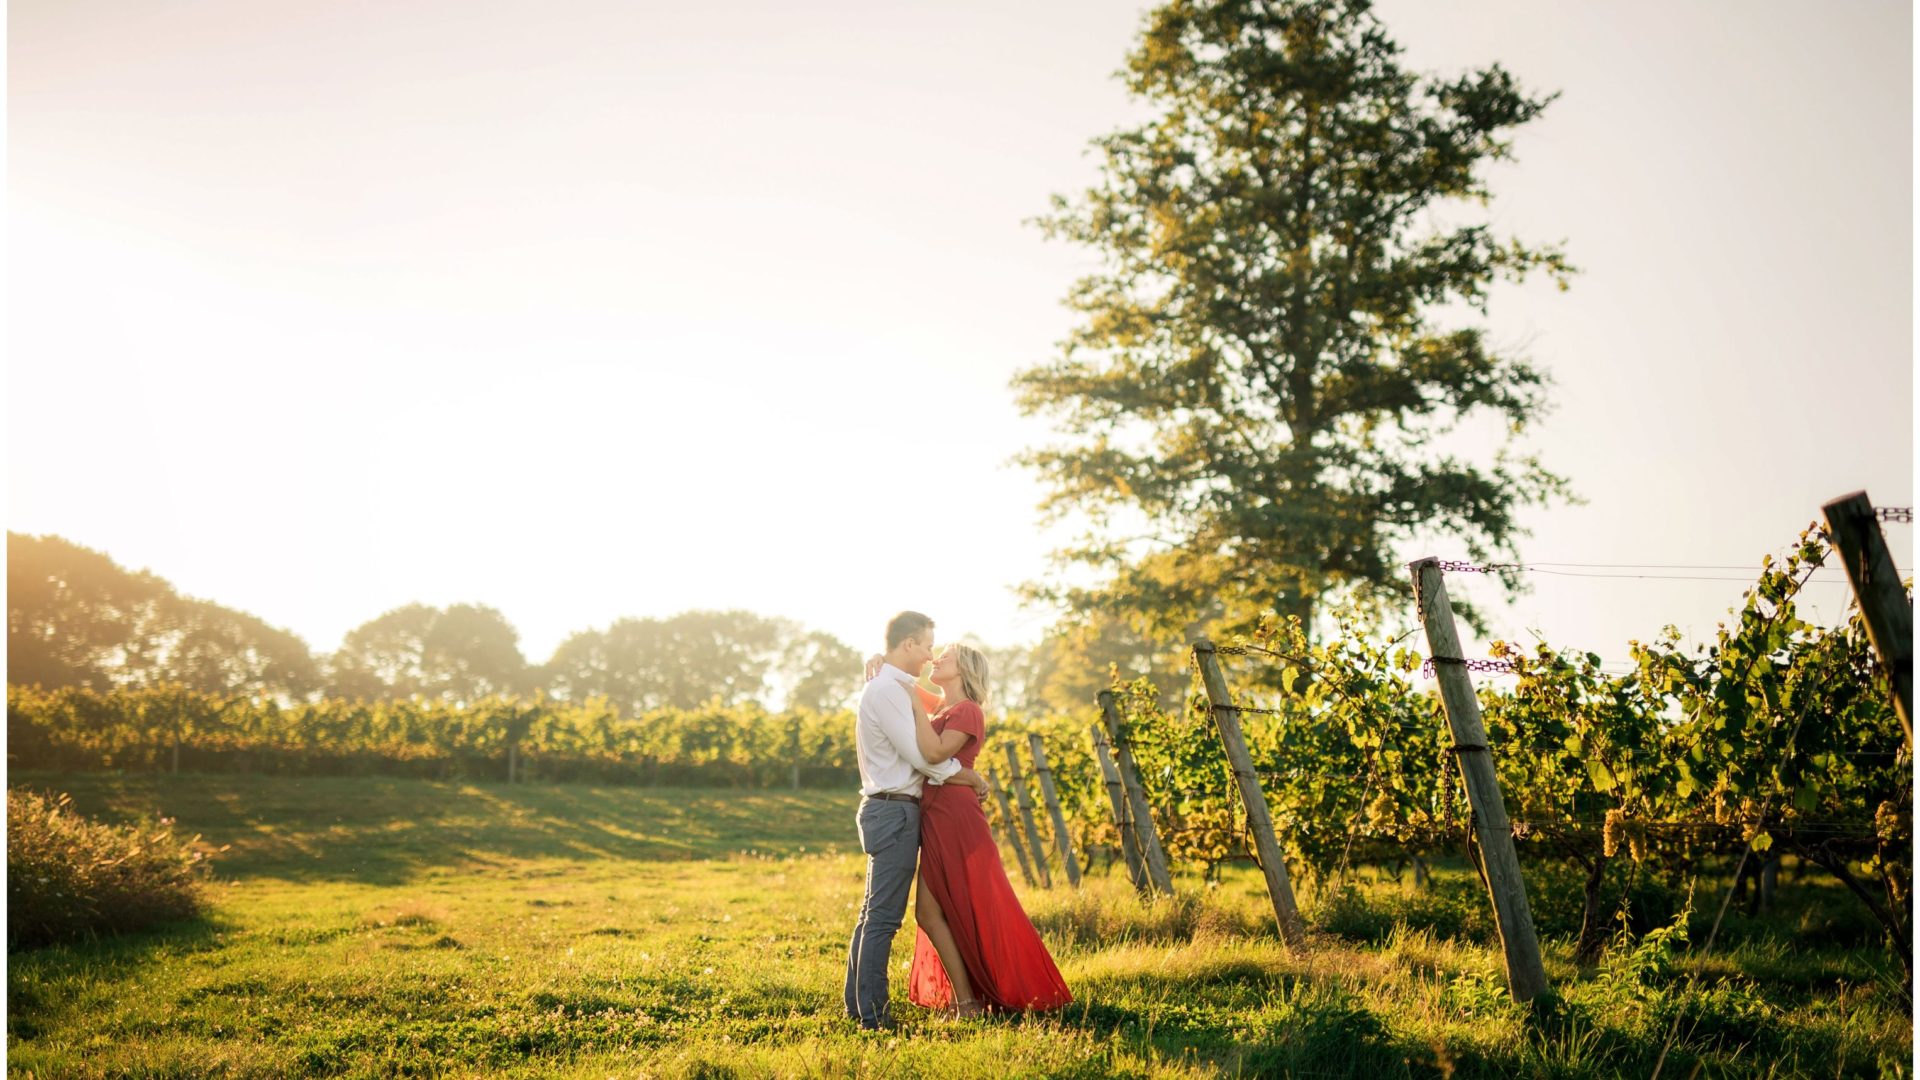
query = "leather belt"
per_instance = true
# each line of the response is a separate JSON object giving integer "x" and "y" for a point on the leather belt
{"x": 894, "y": 797}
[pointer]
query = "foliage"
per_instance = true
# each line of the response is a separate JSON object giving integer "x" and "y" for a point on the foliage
{"x": 1070, "y": 666}
{"x": 463, "y": 652}
{"x": 1346, "y": 753}
{"x": 1269, "y": 354}
{"x": 68, "y": 877}
{"x": 76, "y": 618}
{"x": 1778, "y": 735}
{"x": 136, "y": 730}
{"x": 676, "y": 662}
{"x": 824, "y": 672}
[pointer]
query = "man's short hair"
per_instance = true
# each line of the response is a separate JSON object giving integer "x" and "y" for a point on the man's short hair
{"x": 905, "y": 625}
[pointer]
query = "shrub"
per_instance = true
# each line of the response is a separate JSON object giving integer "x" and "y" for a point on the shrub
{"x": 68, "y": 877}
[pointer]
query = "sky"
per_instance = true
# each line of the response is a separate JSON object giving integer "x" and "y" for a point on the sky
{"x": 621, "y": 309}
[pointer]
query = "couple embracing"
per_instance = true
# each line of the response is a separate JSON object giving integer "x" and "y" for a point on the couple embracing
{"x": 974, "y": 949}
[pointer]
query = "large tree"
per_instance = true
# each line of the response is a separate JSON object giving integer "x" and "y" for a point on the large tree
{"x": 77, "y": 618}
{"x": 218, "y": 650}
{"x": 824, "y": 672}
{"x": 1281, "y": 335}
{"x": 681, "y": 661}
{"x": 463, "y": 652}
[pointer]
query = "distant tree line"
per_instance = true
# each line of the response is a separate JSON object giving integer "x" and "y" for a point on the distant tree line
{"x": 77, "y": 619}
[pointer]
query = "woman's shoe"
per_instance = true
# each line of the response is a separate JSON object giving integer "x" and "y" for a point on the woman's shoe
{"x": 965, "y": 1010}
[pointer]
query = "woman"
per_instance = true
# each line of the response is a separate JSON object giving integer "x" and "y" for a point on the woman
{"x": 975, "y": 947}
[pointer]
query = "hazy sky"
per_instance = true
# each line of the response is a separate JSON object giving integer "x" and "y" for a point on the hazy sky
{"x": 617, "y": 308}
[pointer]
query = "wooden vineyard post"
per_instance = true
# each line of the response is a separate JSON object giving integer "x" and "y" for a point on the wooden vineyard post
{"x": 1142, "y": 814}
{"x": 1013, "y": 830}
{"x": 1259, "y": 821}
{"x": 1526, "y": 978}
{"x": 517, "y": 723}
{"x": 1883, "y": 600}
{"x": 794, "y": 748}
{"x": 1122, "y": 817}
{"x": 1019, "y": 784}
{"x": 1052, "y": 800}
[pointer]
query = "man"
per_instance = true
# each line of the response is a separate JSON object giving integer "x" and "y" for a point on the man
{"x": 891, "y": 772}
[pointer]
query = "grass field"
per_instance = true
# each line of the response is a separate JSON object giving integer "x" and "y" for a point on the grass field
{"x": 376, "y": 927}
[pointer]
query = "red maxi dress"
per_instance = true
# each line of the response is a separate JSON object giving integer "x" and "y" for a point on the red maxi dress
{"x": 960, "y": 865}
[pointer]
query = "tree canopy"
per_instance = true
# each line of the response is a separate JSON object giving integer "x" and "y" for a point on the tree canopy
{"x": 687, "y": 660}
{"x": 77, "y": 618}
{"x": 463, "y": 652}
{"x": 1282, "y": 332}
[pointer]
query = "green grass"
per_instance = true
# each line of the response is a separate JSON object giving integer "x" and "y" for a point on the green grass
{"x": 381, "y": 927}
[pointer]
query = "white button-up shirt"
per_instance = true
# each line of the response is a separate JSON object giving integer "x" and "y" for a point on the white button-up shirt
{"x": 890, "y": 758}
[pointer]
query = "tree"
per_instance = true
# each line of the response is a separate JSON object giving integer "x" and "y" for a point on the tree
{"x": 461, "y": 653}
{"x": 76, "y": 618}
{"x": 1066, "y": 671}
{"x": 1277, "y": 342}
{"x": 472, "y": 651}
{"x": 383, "y": 657}
{"x": 825, "y": 672}
{"x": 682, "y": 662}
{"x": 217, "y": 650}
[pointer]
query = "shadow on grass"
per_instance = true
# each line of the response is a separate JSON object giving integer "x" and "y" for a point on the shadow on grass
{"x": 386, "y": 830}
{"x": 111, "y": 958}
{"x": 1242, "y": 1018}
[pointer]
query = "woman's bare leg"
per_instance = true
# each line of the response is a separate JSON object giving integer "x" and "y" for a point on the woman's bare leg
{"x": 933, "y": 921}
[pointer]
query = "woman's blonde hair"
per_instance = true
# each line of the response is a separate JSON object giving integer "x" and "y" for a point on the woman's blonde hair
{"x": 973, "y": 672}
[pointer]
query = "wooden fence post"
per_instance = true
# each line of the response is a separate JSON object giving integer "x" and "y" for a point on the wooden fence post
{"x": 1156, "y": 856}
{"x": 1052, "y": 800}
{"x": 1883, "y": 600}
{"x": 795, "y": 741}
{"x": 1013, "y": 830}
{"x": 1019, "y": 784}
{"x": 1122, "y": 817}
{"x": 1273, "y": 862}
{"x": 1526, "y": 977}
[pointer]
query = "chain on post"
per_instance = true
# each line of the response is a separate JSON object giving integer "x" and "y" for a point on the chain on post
{"x": 1893, "y": 513}
{"x": 1501, "y": 667}
{"x": 1498, "y": 667}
